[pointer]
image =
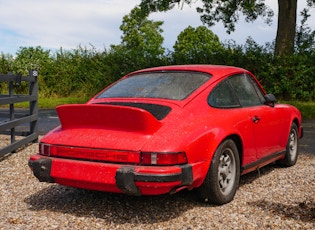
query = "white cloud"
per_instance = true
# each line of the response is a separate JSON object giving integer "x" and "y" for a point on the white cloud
{"x": 66, "y": 23}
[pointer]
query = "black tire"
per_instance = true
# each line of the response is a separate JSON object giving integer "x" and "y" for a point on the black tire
{"x": 222, "y": 180}
{"x": 292, "y": 149}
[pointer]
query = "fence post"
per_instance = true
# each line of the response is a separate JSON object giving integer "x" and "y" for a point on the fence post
{"x": 11, "y": 94}
{"x": 33, "y": 91}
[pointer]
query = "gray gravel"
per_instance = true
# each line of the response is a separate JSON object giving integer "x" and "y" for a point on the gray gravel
{"x": 273, "y": 198}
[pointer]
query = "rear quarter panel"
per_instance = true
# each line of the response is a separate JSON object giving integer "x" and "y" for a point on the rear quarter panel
{"x": 198, "y": 129}
{"x": 292, "y": 114}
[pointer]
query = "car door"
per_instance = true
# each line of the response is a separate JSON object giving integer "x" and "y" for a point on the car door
{"x": 268, "y": 123}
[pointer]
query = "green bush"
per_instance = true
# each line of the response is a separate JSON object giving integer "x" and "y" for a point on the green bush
{"x": 83, "y": 72}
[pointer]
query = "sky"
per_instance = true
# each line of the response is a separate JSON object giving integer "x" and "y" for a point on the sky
{"x": 53, "y": 24}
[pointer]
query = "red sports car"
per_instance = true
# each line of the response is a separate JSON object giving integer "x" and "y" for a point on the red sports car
{"x": 164, "y": 129}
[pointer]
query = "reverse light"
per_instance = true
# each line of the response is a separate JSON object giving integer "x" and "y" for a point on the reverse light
{"x": 44, "y": 149}
{"x": 167, "y": 158}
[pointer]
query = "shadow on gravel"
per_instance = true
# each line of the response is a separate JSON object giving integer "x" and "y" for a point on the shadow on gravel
{"x": 119, "y": 208}
{"x": 252, "y": 176}
{"x": 112, "y": 208}
{"x": 304, "y": 211}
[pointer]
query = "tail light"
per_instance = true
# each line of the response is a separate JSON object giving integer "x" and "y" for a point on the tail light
{"x": 168, "y": 158}
{"x": 89, "y": 154}
{"x": 44, "y": 149}
{"x": 105, "y": 155}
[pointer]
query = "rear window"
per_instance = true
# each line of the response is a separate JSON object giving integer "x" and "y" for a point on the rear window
{"x": 167, "y": 85}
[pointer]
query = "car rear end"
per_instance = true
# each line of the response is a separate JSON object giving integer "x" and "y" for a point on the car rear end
{"x": 93, "y": 151}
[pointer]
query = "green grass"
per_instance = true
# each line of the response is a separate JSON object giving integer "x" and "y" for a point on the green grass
{"x": 52, "y": 103}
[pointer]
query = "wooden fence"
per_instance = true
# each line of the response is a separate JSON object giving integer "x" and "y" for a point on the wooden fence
{"x": 21, "y": 126}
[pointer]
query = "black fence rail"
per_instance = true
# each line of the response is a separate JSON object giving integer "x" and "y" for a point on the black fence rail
{"x": 16, "y": 123}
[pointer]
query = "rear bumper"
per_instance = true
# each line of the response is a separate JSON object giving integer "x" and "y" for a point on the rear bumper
{"x": 128, "y": 179}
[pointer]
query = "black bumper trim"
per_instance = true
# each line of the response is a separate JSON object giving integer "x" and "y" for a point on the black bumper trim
{"x": 157, "y": 178}
{"x": 41, "y": 169}
{"x": 187, "y": 175}
{"x": 126, "y": 178}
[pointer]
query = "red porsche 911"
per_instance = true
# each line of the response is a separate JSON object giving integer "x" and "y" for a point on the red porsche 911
{"x": 164, "y": 129}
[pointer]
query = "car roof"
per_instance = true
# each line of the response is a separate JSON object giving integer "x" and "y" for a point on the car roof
{"x": 216, "y": 71}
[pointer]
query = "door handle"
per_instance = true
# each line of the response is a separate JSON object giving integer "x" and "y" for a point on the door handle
{"x": 256, "y": 119}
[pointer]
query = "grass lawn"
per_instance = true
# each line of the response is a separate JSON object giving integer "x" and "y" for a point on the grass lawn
{"x": 51, "y": 103}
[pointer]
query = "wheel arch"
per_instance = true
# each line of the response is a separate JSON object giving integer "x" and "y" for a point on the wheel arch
{"x": 212, "y": 190}
{"x": 239, "y": 144}
{"x": 198, "y": 146}
{"x": 298, "y": 123}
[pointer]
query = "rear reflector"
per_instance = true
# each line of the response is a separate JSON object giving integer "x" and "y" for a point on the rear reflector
{"x": 89, "y": 154}
{"x": 168, "y": 158}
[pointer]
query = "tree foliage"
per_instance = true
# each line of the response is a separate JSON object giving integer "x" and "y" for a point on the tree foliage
{"x": 305, "y": 37}
{"x": 226, "y": 11}
{"x": 31, "y": 58}
{"x": 81, "y": 71}
{"x": 141, "y": 43}
{"x": 197, "y": 45}
{"x": 229, "y": 12}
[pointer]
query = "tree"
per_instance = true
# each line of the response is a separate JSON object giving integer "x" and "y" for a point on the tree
{"x": 31, "y": 58}
{"x": 305, "y": 37}
{"x": 198, "y": 45}
{"x": 286, "y": 27}
{"x": 228, "y": 12}
{"x": 6, "y": 62}
{"x": 28, "y": 58}
{"x": 141, "y": 44}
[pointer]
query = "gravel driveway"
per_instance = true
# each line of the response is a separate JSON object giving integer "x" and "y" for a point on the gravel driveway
{"x": 273, "y": 198}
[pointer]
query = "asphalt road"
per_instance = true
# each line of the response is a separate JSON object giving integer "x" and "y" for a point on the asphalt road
{"x": 307, "y": 143}
{"x": 48, "y": 120}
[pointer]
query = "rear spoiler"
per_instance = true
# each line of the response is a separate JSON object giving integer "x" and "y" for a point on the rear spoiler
{"x": 112, "y": 117}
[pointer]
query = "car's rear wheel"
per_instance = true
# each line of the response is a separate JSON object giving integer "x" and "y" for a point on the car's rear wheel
{"x": 222, "y": 180}
{"x": 292, "y": 149}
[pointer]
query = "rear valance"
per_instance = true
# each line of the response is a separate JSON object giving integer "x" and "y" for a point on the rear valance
{"x": 104, "y": 116}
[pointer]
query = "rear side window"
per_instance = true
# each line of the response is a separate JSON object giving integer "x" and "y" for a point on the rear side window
{"x": 245, "y": 90}
{"x": 222, "y": 96}
{"x": 236, "y": 91}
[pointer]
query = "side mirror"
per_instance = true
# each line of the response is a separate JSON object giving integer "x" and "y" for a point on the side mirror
{"x": 270, "y": 99}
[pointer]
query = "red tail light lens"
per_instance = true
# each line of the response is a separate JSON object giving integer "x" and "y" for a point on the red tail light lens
{"x": 168, "y": 158}
{"x": 89, "y": 154}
